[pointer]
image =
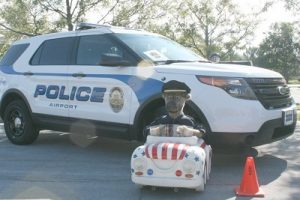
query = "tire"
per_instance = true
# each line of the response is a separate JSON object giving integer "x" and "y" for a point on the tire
{"x": 140, "y": 186}
{"x": 204, "y": 180}
{"x": 205, "y": 175}
{"x": 18, "y": 124}
{"x": 209, "y": 165}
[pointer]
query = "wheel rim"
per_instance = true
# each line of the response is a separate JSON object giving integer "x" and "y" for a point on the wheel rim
{"x": 16, "y": 123}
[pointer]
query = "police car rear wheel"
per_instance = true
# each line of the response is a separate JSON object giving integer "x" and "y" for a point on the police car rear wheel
{"x": 18, "y": 124}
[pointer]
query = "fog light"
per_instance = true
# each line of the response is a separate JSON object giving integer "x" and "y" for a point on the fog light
{"x": 189, "y": 166}
{"x": 178, "y": 173}
{"x": 139, "y": 173}
{"x": 189, "y": 175}
{"x": 139, "y": 164}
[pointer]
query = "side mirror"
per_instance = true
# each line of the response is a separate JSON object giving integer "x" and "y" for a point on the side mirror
{"x": 113, "y": 60}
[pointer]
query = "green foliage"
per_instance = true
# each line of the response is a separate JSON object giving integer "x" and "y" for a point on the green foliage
{"x": 280, "y": 51}
{"x": 212, "y": 26}
{"x": 69, "y": 12}
{"x": 294, "y": 81}
{"x": 20, "y": 19}
{"x": 293, "y": 5}
{"x": 141, "y": 14}
{"x": 26, "y": 18}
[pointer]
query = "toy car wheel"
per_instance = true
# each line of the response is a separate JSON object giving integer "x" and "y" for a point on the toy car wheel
{"x": 209, "y": 165}
{"x": 18, "y": 124}
{"x": 205, "y": 178}
{"x": 200, "y": 188}
{"x": 139, "y": 186}
{"x": 207, "y": 173}
{"x": 203, "y": 182}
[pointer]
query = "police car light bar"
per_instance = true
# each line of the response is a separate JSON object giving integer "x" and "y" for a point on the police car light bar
{"x": 85, "y": 26}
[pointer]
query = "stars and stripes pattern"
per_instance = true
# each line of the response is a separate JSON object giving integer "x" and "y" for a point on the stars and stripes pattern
{"x": 168, "y": 151}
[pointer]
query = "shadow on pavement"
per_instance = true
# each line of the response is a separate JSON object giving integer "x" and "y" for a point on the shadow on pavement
{"x": 267, "y": 174}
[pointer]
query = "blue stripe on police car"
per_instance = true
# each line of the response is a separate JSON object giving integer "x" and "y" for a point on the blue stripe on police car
{"x": 142, "y": 87}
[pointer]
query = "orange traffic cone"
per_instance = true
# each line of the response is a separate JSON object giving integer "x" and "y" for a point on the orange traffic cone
{"x": 249, "y": 185}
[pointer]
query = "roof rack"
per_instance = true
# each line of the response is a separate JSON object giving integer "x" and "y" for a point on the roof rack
{"x": 85, "y": 26}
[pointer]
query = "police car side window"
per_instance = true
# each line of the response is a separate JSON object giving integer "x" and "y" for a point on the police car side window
{"x": 91, "y": 49}
{"x": 13, "y": 53}
{"x": 54, "y": 52}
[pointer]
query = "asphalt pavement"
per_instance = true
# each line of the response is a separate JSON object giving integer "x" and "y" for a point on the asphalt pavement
{"x": 67, "y": 166}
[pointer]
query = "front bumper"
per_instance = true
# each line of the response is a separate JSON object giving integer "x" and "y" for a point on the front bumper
{"x": 167, "y": 182}
{"x": 270, "y": 131}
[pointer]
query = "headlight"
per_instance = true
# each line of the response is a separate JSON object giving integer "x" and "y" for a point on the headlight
{"x": 236, "y": 87}
{"x": 139, "y": 164}
{"x": 189, "y": 166}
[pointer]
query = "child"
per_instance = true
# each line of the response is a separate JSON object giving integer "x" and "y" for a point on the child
{"x": 175, "y": 123}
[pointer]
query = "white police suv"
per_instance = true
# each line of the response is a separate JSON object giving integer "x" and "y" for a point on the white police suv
{"x": 111, "y": 78}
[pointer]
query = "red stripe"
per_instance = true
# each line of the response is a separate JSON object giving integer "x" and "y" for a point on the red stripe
{"x": 174, "y": 151}
{"x": 164, "y": 151}
{"x": 147, "y": 151}
{"x": 154, "y": 151}
{"x": 203, "y": 145}
{"x": 183, "y": 151}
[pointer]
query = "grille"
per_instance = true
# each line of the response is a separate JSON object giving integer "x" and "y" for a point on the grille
{"x": 271, "y": 92}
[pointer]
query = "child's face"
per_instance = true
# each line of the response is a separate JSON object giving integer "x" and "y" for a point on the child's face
{"x": 174, "y": 101}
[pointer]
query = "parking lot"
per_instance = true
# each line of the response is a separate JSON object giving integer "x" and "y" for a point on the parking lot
{"x": 68, "y": 166}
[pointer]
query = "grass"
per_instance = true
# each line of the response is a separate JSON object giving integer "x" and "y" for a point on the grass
{"x": 294, "y": 81}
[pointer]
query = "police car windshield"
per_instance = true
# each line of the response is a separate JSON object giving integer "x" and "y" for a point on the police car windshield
{"x": 158, "y": 49}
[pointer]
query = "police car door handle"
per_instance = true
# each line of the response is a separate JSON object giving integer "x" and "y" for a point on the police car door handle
{"x": 79, "y": 75}
{"x": 27, "y": 73}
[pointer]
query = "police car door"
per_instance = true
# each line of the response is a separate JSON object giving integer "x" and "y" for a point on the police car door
{"x": 47, "y": 78}
{"x": 101, "y": 91}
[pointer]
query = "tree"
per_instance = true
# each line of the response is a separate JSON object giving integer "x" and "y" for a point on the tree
{"x": 19, "y": 19}
{"x": 70, "y": 12}
{"x": 213, "y": 25}
{"x": 292, "y": 4}
{"x": 32, "y": 17}
{"x": 280, "y": 50}
{"x": 251, "y": 53}
{"x": 141, "y": 14}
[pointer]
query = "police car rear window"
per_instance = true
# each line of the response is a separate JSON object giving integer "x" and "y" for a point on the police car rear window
{"x": 13, "y": 53}
{"x": 54, "y": 52}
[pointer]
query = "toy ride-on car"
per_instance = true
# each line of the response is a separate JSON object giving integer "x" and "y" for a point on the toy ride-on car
{"x": 178, "y": 162}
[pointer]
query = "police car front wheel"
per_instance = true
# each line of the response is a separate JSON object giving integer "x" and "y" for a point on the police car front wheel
{"x": 18, "y": 124}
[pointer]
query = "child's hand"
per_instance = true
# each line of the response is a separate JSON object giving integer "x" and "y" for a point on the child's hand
{"x": 158, "y": 130}
{"x": 184, "y": 131}
{"x": 187, "y": 132}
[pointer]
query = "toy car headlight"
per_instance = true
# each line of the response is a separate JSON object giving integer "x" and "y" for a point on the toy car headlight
{"x": 189, "y": 166}
{"x": 139, "y": 164}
